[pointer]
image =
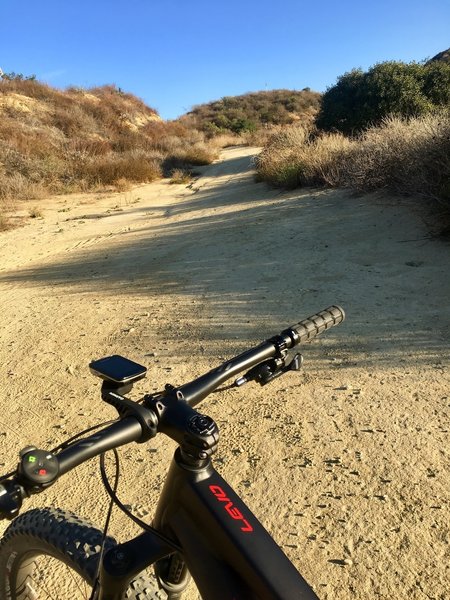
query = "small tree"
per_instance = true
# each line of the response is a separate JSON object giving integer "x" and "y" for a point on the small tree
{"x": 340, "y": 104}
{"x": 394, "y": 88}
{"x": 360, "y": 100}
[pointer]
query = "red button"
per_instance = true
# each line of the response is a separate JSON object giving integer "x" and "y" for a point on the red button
{"x": 42, "y": 471}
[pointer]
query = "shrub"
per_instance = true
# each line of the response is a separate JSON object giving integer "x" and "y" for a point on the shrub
{"x": 198, "y": 155}
{"x": 242, "y": 124}
{"x": 404, "y": 156}
{"x": 180, "y": 176}
{"x": 298, "y": 156}
{"x": 360, "y": 100}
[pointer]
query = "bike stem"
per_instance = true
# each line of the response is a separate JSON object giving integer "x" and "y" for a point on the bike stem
{"x": 169, "y": 413}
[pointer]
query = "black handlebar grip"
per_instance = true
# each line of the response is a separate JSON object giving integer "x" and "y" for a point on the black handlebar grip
{"x": 308, "y": 328}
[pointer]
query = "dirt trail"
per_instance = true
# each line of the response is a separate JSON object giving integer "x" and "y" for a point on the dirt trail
{"x": 346, "y": 463}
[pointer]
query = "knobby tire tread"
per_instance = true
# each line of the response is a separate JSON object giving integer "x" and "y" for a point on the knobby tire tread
{"x": 68, "y": 538}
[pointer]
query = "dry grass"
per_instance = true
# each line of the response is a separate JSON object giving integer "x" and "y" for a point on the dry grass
{"x": 227, "y": 140}
{"x": 122, "y": 185}
{"x": 6, "y": 208}
{"x": 405, "y": 156}
{"x": 4, "y": 222}
{"x": 261, "y": 137}
{"x": 54, "y": 141}
{"x": 296, "y": 157}
{"x": 180, "y": 176}
{"x": 133, "y": 167}
{"x": 35, "y": 213}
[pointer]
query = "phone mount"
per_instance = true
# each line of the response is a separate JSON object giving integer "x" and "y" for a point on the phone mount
{"x": 118, "y": 373}
{"x": 117, "y": 388}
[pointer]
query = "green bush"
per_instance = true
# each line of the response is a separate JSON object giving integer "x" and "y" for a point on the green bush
{"x": 241, "y": 125}
{"x": 360, "y": 100}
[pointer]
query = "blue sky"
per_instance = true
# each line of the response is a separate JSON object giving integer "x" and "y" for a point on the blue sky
{"x": 175, "y": 54}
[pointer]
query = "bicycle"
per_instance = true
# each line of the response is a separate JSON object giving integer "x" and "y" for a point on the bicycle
{"x": 201, "y": 527}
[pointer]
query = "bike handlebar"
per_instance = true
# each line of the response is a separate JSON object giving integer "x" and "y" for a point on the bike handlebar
{"x": 118, "y": 434}
{"x": 130, "y": 428}
{"x": 312, "y": 326}
{"x": 195, "y": 391}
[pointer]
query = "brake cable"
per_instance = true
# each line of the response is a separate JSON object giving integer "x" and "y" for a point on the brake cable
{"x": 115, "y": 499}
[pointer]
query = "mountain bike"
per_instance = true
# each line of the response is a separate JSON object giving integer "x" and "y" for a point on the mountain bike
{"x": 201, "y": 528}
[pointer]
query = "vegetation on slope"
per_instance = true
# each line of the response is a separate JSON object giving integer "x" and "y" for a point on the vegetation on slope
{"x": 442, "y": 56}
{"x": 387, "y": 128}
{"x": 54, "y": 141}
{"x": 251, "y": 112}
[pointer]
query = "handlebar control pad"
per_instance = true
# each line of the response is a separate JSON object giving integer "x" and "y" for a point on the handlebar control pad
{"x": 38, "y": 467}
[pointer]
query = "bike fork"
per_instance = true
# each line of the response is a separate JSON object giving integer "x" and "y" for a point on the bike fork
{"x": 172, "y": 575}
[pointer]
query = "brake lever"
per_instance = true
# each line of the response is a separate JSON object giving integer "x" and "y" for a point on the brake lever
{"x": 11, "y": 495}
{"x": 269, "y": 370}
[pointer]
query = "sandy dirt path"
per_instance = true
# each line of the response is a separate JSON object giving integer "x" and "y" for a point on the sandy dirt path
{"x": 347, "y": 462}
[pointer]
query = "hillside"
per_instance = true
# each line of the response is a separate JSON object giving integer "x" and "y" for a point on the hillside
{"x": 443, "y": 56}
{"x": 61, "y": 141}
{"x": 54, "y": 141}
{"x": 253, "y": 111}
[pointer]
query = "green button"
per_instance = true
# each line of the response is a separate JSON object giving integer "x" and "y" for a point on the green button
{"x": 32, "y": 459}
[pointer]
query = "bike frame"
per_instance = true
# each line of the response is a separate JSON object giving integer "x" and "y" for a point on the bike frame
{"x": 226, "y": 549}
{"x": 201, "y": 525}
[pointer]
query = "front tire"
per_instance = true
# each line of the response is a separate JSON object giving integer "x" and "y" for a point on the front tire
{"x": 51, "y": 553}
